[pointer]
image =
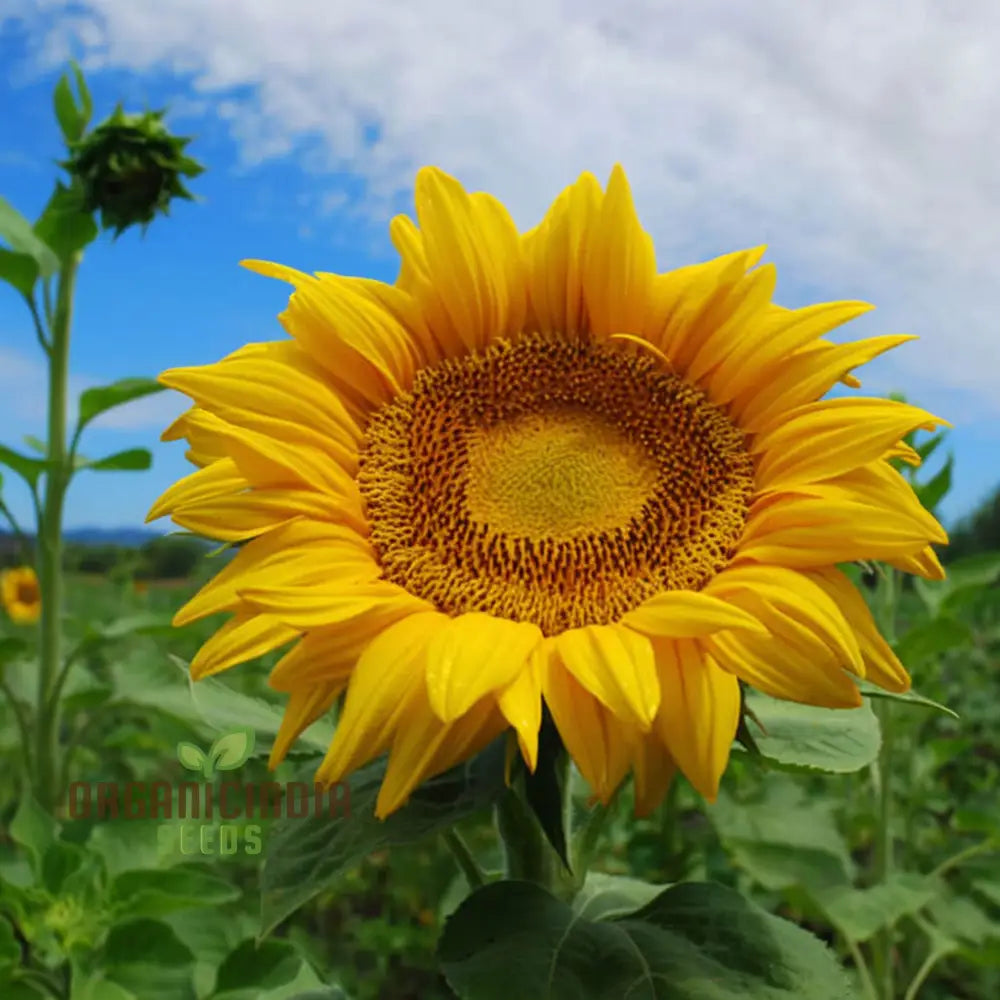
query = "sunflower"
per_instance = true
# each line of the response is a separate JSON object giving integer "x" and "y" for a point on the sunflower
{"x": 535, "y": 471}
{"x": 22, "y": 598}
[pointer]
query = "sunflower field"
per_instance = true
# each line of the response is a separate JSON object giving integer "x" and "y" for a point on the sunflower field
{"x": 540, "y": 626}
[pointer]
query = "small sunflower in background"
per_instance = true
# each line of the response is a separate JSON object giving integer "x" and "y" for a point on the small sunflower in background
{"x": 21, "y": 596}
{"x": 536, "y": 471}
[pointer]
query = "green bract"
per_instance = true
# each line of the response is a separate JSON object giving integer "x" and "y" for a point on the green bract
{"x": 130, "y": 168}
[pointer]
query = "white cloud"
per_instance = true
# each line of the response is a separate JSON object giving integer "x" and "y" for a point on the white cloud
{"x": 859, "y": 139}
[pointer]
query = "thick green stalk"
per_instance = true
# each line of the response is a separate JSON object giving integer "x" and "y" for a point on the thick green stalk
{"x": 50, "y": 545}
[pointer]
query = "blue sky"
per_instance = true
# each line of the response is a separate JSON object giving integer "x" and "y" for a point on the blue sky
{"x": 312, "y": 128}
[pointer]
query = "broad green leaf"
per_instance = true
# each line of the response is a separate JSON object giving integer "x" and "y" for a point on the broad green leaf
{"x": 259, "y": 967}
{"x": 19, "y": 270}
{"x": 304, "y": 855}
{"x": 65, "y": 225}
{"x": 191, "y": 757}
{"x": 130, "y": 460}
{"x": 776, "y": 853}
{"x": 605, "y": 896}
{"x": 694, "y": 941}
{"x": 907, "y": 698}
{"x": 822, "y": 739}
{"x": 964, "y": 575}
{"x": 70, "y": 117}
{"x": 146, "y": 957}
{"x": 232, "y": 750}
{"x": 325, "y": 993}
{"x": 963, "y": 920}
{"x": 29, "y": 469}
{"x": 94, "y": 402}
{"x": 155, "y": 893}
{"x": 145, "y": 623}
{"x": 33, "y": 828}
{"x": 859, "y": 914}
{"x": 17, "y": 231}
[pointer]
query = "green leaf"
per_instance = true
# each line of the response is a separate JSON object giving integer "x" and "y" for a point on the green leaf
{"x": 232, "y": 750}
{"x": 11, "y": 647}
{"x": 931, "y": 493}
{"x": 694, "y": 941}
{"x": 86, "y": 102}
{"x": 155, "y": 892}
{"x": 10, "y": 950}
{"x": 17, "y": 231}
{"x": 130, "y": 460}
{"x": 94, "y": 402}
{"x": 34, "y": 829}
{"x": 907, "y": 698}
{"x": 19, "y": 270}
{"x": 65, "y": 225}
{"x": 304, "y": 855}
{"x": 191, "y": 756}
{"x": 605, "y": 896}
{"x": 802, "y": 736}
{"x": 931, "y": 639}
{"x": 59, "y": 862}
{"x": 930, "y": 446}
{"x": 859, "y": 914}
{"x": 543, "y": 788}
{"x": 963, "y": 919}
{"x": 99, "y": 988}
{"x": 146, "y": 957}
{"x": 71, "y": 118}
{"x": 258, "y": 967}
{"x": 29, "y": 469}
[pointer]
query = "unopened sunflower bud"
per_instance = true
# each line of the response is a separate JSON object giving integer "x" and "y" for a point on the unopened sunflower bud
{"x": 130, "y": 167}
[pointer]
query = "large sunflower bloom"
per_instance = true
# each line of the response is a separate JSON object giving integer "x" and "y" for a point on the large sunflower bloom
{"x": 535, "y": 469}
{"x": 20, "y": 595}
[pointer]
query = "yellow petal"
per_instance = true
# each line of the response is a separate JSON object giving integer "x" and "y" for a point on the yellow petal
{"x": 581, "y": 721}
{"x": 553, "y": 253}
{"x": 295, "y": 552}
{"x": 318, "y": 602}
{"x": 805, "y": 532}
{"x": 805, "y": 377}
{"x": 245, "y": 515}
{"x": 473, "y": 655}
{"x": 783, "y": 670}
{"x": 218, "y": 479}
{"x": 699, "y": 713}
{"x": 925, "y": 563}
{"x": 464, "y": 267}
{"x": 330, "y": 653}
{"x": 243, "y": 638}
{"x": 783, "y": 599}
{"x": 616, "y": 665}
{"x": 385, "y": 677}
{"x": 619, "y": 263}
{"x": 777, "y": 336}
{"x": 304, "y": 706}
{"x": 881, "y": 664}
{"x": 521, "y": 703}
{"x": 654, "y": 771}
{"x": 686, "y": 614}
{"x": 825, "y": 439}
{"x": 425, "y": 747}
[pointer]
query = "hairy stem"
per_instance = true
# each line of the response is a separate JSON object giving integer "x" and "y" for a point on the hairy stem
{"x": 50, "y": 545}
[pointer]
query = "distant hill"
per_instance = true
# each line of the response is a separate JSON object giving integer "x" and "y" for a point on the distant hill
{"x": 129, "y": 538}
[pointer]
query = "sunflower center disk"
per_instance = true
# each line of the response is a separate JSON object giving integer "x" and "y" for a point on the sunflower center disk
{"x": 553, "y": 481}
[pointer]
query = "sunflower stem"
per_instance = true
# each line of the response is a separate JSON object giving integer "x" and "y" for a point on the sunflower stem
{"x": 50, "y": 574}
{"x": 885, "y": 612}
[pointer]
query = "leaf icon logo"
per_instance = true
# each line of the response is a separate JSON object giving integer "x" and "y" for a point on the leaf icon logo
{"x": 229, "y": 751}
